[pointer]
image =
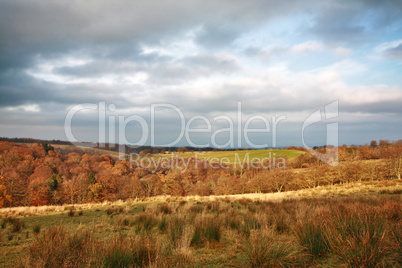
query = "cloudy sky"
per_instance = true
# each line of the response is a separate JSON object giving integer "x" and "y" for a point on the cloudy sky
{"x": 276, "y": 59}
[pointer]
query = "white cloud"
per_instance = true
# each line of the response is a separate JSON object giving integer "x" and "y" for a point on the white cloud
{"x": 342, "y": 51}
{"x": 387, "y": 45}
{"x": 309, "y": 46}
{"x": 33, "y": 108}
{"x": 347, "y": 67}
{"x": 388, "y": 49}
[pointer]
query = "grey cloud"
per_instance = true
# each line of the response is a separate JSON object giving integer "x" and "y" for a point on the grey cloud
{"x": 395, "y": 52}
{"x": 98, "y": 68}
{"x": 218, "y": 36}
{"x": 265, "y": 54}
{"x": 19, "y": 89}
{"x": 161, "y": 69}
{"x": 351, "y": 23}
{"x": 190, "y": 68}
{"x": 114, "y": 29}
{"x": 112, "y": 34}
{"x": 213, "y": 63}
{"x": 391, "y": 107}
{"x": 340, "y": 23}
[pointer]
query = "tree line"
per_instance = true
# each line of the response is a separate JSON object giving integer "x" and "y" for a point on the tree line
{"x": 36, "y": 174}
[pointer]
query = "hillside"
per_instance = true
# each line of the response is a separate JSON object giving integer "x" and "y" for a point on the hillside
{"x": 83, "y": 207}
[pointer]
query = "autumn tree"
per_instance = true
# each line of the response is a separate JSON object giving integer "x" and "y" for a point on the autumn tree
{"x": 47, "y": 147}
{"x": 395, "y": 164}
{"x": 4, "y": 197}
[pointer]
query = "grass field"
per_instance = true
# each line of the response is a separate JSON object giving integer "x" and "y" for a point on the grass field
{"x": 255, "y": 230}
{"x": 227, "y": 157}
{"x": 237, "y": 156}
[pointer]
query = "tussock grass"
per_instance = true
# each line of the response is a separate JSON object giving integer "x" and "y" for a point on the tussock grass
{"x": 311, "y": 235}
{"x": 36, "y": 228}
{"x": 16, "y": 224}
{"x": 263, "y": 250}
{"x": 318, "y": 232}
{"x": 358, "y": 238}
{"x": 396, "y": 231}
{"x": 165, "y": 208}
{"x": 56, "y": 247}
{"x": 145, "y": 221}
{"x": 140, "y": 251}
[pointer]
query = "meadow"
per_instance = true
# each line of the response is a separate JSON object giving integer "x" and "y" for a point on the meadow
{"x": 314, "y": 228}
{"x": 238, "y": 156}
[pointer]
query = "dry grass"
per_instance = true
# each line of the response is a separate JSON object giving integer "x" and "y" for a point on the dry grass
{"x": 227, "y": 232}
{"x": 393, "y": 187}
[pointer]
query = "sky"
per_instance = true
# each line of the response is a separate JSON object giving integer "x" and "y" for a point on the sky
{"x": 203, "y": 73}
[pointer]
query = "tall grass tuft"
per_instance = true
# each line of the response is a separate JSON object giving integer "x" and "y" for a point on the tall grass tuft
{"x": 16, "y": 224}
{"x": 263, "y": 250}
{"x": 36, "y": 228}
{"x": 311, "y": 235}
{"x": 57, "y": 248}
{"x": 176, "y": 225}
{"x": 281, "y": 222}
{"x": 206, "y": 229}
{"x": 71, "y": 213}
{"x": 117, "y": 254}
{"x": 163, "y": 224}
{"x": 140, "y": 251}
{"x": 359, "y": 238}
{"x": 145, "y": 221}
{"x": 165, "y": 209}
{"x": 212, "y": 229}
{"x": 396, "y": 231}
